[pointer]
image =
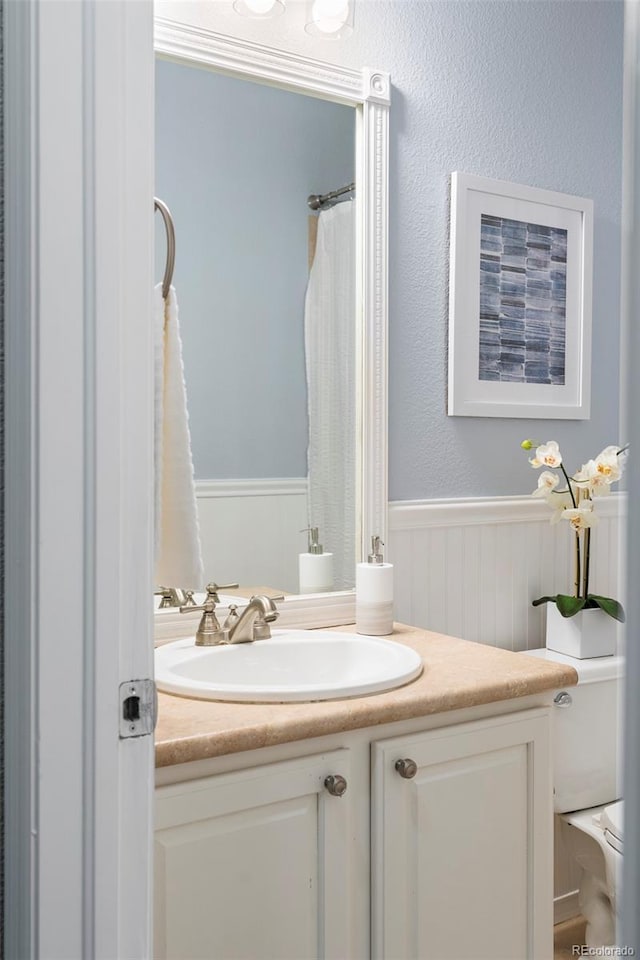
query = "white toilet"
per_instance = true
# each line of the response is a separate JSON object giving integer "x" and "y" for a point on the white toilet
{"x": 587, "y": 780}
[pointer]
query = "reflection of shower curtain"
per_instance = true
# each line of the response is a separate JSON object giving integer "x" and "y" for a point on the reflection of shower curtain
{"x": 330, "y": 323}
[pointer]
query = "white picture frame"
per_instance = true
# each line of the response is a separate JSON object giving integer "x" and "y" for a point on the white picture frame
{"x": 521, "y": 262}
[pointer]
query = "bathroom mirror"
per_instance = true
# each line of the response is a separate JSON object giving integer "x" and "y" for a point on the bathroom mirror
{"x": 282, "y": 311}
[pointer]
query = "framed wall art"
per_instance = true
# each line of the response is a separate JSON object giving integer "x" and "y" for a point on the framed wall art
{"x": 520, "y": 301}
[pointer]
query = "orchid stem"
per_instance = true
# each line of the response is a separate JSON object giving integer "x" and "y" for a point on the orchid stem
{"x": 587, "y": 558}
{"x": 577, "y": 555}
{"x": 569, "y": 487}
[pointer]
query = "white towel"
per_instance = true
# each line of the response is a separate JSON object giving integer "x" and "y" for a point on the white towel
{"x": 177, "y": 535}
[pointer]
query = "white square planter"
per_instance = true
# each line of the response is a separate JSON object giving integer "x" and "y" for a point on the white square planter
{"x": 591, "y": 633}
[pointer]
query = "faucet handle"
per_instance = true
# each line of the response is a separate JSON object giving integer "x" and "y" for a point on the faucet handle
{"x": 212, "y": 589}
{"x": 171, "y": 597}
{"x": 165, "y": 593}
{"x": 232, "y": 617}
{"x": 208, "y": 606}
{"x": 209, "y": 632}
{"x": 211, "y": 599}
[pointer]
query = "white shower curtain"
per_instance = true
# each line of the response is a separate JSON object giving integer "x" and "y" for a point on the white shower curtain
{"x": 330, "y": 323}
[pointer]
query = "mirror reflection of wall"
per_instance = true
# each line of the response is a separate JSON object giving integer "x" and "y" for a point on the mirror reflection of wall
{"x": 235, "y": 162}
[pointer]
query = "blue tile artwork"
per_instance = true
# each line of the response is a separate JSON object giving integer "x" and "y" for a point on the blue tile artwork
{"x": 523, "y": 289}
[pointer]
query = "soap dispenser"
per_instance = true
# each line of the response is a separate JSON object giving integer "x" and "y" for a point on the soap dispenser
{"x": 315, "y": 566}
{"x": 374, "y": 594}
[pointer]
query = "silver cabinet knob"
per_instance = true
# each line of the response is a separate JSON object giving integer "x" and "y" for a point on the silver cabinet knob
{"x": 336, "y": 785}
{"x": 407, "y": 768}
{"x": 563, "y": 699}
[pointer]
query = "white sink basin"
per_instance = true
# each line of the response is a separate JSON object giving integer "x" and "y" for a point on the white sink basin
{"x": 294, "y": 665}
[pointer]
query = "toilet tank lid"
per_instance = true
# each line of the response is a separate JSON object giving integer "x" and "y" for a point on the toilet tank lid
{"x": 590, "y": 670}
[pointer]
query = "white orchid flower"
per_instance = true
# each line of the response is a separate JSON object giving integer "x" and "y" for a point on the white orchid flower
{"x": 581, "y": 517}
{"x": 572, "y": 498}
{"x": 547, "y": 455}
{"x": 590, "y": 478}
{"x": 608, "y": 465}
{"x": 547, "y": 482}
{"x": 560, "y": 502}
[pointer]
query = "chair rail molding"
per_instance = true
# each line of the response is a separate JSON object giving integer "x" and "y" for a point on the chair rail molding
{"x": 258, "y": 487}
{"x": 414, "y": 514}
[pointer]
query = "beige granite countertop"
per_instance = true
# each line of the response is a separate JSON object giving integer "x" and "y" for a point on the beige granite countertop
{"x": 456, "y": 674}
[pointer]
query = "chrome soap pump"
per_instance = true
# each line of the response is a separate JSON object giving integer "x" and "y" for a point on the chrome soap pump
{"x": 315, "y": 567}
{"x": 374, "y": 593}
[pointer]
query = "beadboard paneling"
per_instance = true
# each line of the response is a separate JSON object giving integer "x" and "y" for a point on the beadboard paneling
{"x": 470, "y": 568}
{"x": 566, "y": 879}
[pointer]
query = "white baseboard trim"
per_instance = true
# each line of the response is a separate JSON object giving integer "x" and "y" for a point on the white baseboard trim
{"x": 566, "y": 907}
{"x": 277, "y": 487}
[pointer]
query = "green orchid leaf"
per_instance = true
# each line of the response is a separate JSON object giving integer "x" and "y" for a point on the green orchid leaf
{"x": 610, "y": 606}
{"x": 540, "y": 600}
{"x": 569, "y": 606}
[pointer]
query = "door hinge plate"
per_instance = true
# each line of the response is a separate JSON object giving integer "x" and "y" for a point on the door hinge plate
{"x": 138, "y": 708}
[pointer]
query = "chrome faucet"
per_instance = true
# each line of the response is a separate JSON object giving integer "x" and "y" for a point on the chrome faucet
{"x": 253, "y": 622}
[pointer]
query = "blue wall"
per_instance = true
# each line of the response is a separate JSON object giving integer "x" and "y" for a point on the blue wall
{"x": 522, "y": 90}
{"x": 235, "y": 162}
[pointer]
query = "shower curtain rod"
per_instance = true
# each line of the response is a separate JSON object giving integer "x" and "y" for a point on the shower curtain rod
{"x": 317, "y": 200}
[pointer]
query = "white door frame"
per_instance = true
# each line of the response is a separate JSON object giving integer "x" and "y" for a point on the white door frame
{"x": 79, "y": 162}
{"x": 629, "y": 934}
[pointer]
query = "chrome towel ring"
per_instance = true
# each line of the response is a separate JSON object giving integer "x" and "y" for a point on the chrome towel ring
{"x": 171, "y": 245}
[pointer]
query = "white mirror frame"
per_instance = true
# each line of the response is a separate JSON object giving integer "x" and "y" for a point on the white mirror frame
{"x": 369, "y": 92}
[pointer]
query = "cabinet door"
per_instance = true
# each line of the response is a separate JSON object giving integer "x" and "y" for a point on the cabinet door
{"x": 254, "y": 864}
{"x": 462, "y": 851}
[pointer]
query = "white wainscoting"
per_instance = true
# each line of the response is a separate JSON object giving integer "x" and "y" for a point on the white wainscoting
{"x": 470, "y": 568}
{"x": 250, "y": 530}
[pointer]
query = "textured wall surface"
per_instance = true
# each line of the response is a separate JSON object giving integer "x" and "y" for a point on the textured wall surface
{"x": 235, "y": 162}
{"x": 521, "y": 90}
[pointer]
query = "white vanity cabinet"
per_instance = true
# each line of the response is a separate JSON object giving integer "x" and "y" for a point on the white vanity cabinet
{"x": 251, "y": 864}
{"x": 452, "y": 861}
{"x": 461, "y": 848}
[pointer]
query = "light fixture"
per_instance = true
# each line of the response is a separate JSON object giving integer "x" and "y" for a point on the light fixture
{"x": 259, "y": 9}
{"x": 330, "y": 18}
